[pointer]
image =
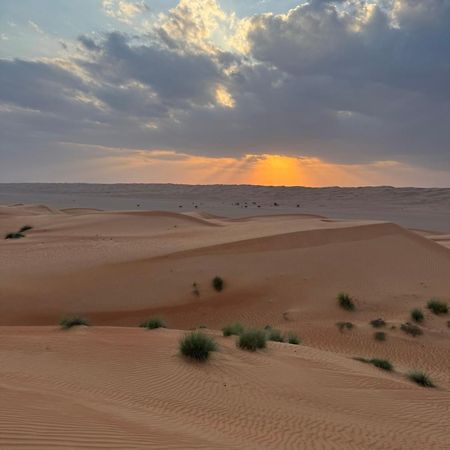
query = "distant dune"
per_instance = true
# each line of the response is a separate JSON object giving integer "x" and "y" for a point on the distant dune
{"x": 114, "y": 385}
{"x": 420, "y": 208}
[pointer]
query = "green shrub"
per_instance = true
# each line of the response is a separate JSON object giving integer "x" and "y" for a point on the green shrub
{"x": 417, "y": 315}
{"x": 378, "y": 323}
{"x": 411, "y": 329}
{"x": 293, "y": 338}
{"x": 25, "y": 228}
{"x": 252, "y": 340}
{"x": 217, "y": 283}
{"x": 14, "y": 235}
{"x": 345, "y": 301}
{"x": 437, "y": 307}
{"x": 379, "y": 336}
{"x": 153, "y": 323}
{"x": 72, "y": 321}
{"x": 344, "y": 325}
{"x": 234, "y": 329}
{"x": 274, "y": 335}
{"x": 381, "y": 364}
{"x": 420, "y": 378}
{"x": 197, "y": 345}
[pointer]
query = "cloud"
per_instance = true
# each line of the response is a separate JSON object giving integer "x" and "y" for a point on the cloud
{"x": 347, "y": 82}
{"x": 123, "y": 10}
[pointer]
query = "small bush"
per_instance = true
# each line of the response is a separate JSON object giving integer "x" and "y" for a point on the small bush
{"x": 437, "y": 307}
{"x": 344, "y": 325}
{"x": 274, "y": 335}
{"x": 217, "y": 283}
{"x": 252, "y": 340}
{"x": 381, "y": 364}
{"x": 345, "y": 301}
{"x": 411, "y": 329}
{"x": 72, "y": 321}
{"x": 420, "y": 378}
{"x": 25, "y": 228}
{"x": 292, "y": 338}
{"x": 153, "y": 323}
{"x": 380, "y": 336}
{"x": 378, "y": 323}
{"x": 197, "y": 345}
{"x": 14, "y": 235}
{"x": 417, "y": 315}
{"x": 234, "y": 329}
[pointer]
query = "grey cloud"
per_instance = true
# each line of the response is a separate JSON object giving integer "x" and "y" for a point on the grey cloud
{"x": 311, "y": 85}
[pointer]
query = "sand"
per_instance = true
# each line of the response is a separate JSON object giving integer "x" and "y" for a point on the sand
{"x": 115, "y": 385}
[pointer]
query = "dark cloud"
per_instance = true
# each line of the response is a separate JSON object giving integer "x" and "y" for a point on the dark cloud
{"x": 347, "y": 81}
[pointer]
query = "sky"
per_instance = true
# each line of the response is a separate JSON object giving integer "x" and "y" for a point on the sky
{"x": 273, "y": 92}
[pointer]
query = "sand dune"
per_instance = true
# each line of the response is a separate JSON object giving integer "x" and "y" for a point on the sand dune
{"x": 117, "y": 386}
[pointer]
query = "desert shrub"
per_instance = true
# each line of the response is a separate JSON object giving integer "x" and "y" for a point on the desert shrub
{"x": 72, "y": 321}
{"x": 411, "y": 329}
{"x": 420, "y": 378}
{"x": 345, "y": 301}
{"x": 202, "y": 326}
{"x": 378, "y": 323}
{"x": 153, "y": 323}
{"x": 417, "y": 315}
{"x": 217, "y": 283}
{"x": 292, "y": 338}
{"x": 197, "y": 345}
{"x": 344, "y": 325}
{"x": 15, "y": 235}
{"x": 233, "y": 329}
{"x": 379, "y": 336}
{"x": 252, "y": 340}
{"x": 437, "y": 307}
{"x": 381, "y": 364}
{"x": 274, "y": 335}
{"x": 25, "y": 228}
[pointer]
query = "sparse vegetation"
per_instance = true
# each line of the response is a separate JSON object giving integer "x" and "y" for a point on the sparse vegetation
{"x": 202, "y": 326}
{"x": 417, "y": 315}
{"x": 379, "y": 336}
{"x": 217, "y": 283}
{"x": 72, "y": 321}
{"x": 292, "y": 338}
{"x": 421, "y": 378}
{"x": 345, "y": 301}
{"x": 381, "y": 364}
{"x": 197, "y": 345}
{"x": 25, "y": 228}
{"x": 252, "y": 340}
{"x": 344, "y": 325}
{"x": 378, "y": 323}
{"x": 410, "y": 328}
{"x": 153, "y": 323}
{"x": 15, "y": 235}
{"x": 274, "y": 335}
{"x": 437, "y": 307}
{"x": 234, "y": 329}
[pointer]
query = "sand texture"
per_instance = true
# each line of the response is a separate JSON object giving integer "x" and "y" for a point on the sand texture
{"x": 114, "y": 385}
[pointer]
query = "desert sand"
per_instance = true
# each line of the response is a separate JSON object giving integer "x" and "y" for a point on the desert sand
{"x": 117, "y": 386}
